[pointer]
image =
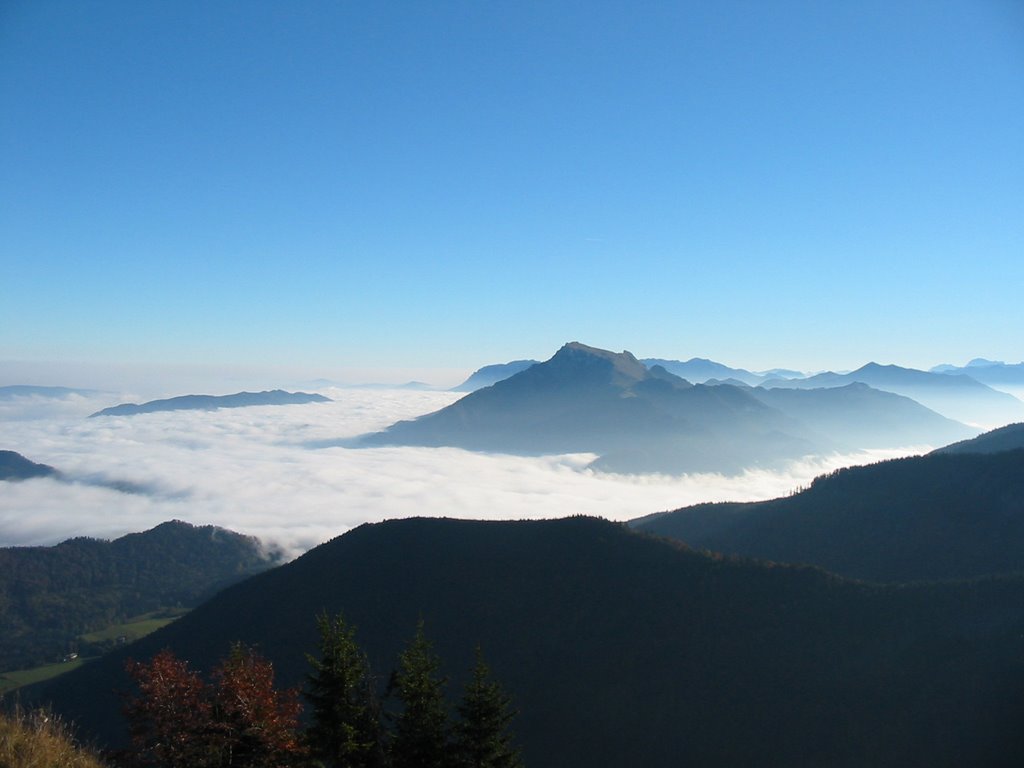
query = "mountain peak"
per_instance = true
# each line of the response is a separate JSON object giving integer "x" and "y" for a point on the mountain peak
{"x": 625, "y": 368}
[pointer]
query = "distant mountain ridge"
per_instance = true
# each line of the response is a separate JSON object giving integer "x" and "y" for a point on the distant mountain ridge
{"x": 699, "y": 370}
{"x": 213, "y": 402}
{"x": 14, "y": 466}
{"x": 640, "y": 419}
{"x": 957, "y": 396}
{"x": 991, "y": 372}
{"x": 28, "y": 390}
{"x": 492, "y": 374}
{"x": 620, "y": 649}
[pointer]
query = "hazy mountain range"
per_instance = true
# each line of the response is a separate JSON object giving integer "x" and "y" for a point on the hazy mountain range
{"x": 950, "y": 390}
{"x": 992, "y": 372}
{"x": 957, "y": 396}
{"x": 25, "y": 390}
{"x": 212, "y": 402}
{"x": 492, "y": 374}
{"x": 640, "y": 419}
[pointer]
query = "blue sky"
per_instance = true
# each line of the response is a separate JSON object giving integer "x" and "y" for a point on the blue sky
{"x": 316, "y": 185}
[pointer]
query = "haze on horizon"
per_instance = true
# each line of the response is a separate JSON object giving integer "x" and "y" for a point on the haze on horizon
{"x": 396, "y": 191}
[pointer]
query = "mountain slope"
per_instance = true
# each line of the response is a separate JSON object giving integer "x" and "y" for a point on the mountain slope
{"x": 925, "y": 517}
{"x": 14, "y": 466}
{"x": 212, "y": 402}
{"x": 859, "y": 416}
{"x": 1008, "y": 438}
{"x": 620, "y": 649}
{"x": 955, "y": 396}
{"x": 50, "y": 595}
{"x": 492, "y": 374}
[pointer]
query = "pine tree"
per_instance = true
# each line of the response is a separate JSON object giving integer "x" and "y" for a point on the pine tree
{"x": 345, "y": 731}
{"x": 482, "y": 736}
{"x": 421, "y": 727}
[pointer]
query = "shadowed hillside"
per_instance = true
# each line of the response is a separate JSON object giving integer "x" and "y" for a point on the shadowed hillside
{"x": 926, "y": 517}
{"x": 620, "y": 649}
{"x": 1008, "y": 438}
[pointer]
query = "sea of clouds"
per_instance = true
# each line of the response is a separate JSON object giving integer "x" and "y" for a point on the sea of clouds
{"x": 253, "y": 470}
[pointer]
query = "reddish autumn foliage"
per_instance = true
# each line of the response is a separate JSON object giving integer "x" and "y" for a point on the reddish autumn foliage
{"x": 238, "y": 721}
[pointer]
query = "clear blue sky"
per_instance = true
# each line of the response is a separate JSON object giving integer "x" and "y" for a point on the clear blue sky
{"x": 313, "y": 184}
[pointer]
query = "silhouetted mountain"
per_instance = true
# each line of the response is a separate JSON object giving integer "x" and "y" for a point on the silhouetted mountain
{"x": 781, "y": 373}
{"x": 26, "y": 390}
{"x": 1008, "y": 438}
{"x": 421, "y": 386}
{"x": 14, "y": 466}
{"x": 956, "y": 396}
{"x": 492, "y": 374}
{"x": 50, "y": 595}
{"x": 594, "y": 401}
{"x": 859, "y": 416}
{"x": 587, "y": 400}
{"x": 938, "y": 516}
{"x": 212, "y": 402}
{"x": 991, "y": 372}
{"x": 699, "y": 370}
{"x": 620, "y": 650}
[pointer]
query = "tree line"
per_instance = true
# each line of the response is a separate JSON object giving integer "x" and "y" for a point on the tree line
{"x": 237, "y": 718}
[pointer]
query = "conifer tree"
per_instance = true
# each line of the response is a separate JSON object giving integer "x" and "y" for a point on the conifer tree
{"x": 420, "y": 739}
{"x": 482, "y": 735}
{"x": 345, "y": 731}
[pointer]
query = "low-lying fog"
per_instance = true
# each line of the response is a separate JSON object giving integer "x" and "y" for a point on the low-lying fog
{"x": 249, "y": 469}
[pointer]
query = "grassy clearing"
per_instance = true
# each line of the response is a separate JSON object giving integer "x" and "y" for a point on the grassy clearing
{"x": 11, "y": 680}
{"x": 133, "y": 629}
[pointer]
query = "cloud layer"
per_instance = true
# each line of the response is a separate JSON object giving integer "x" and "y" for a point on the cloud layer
{"x": 249, "y": 469}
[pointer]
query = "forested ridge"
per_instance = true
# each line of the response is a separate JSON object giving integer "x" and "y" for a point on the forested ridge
{"x": 621, "y": 649}
{"x": 51, "y": 595}
{"x": 939, "y": 516}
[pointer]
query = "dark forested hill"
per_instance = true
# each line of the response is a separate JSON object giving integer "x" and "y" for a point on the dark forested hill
{"x": 50, "y": 595}
{"x": 620, "y": 649}
{"x": 648, "y": 420}
{"x": 926, "y": 517}
{"x": 212, "y": 402}
{"x": 1008, "y": 438}
{"x": 14, "y": 466}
